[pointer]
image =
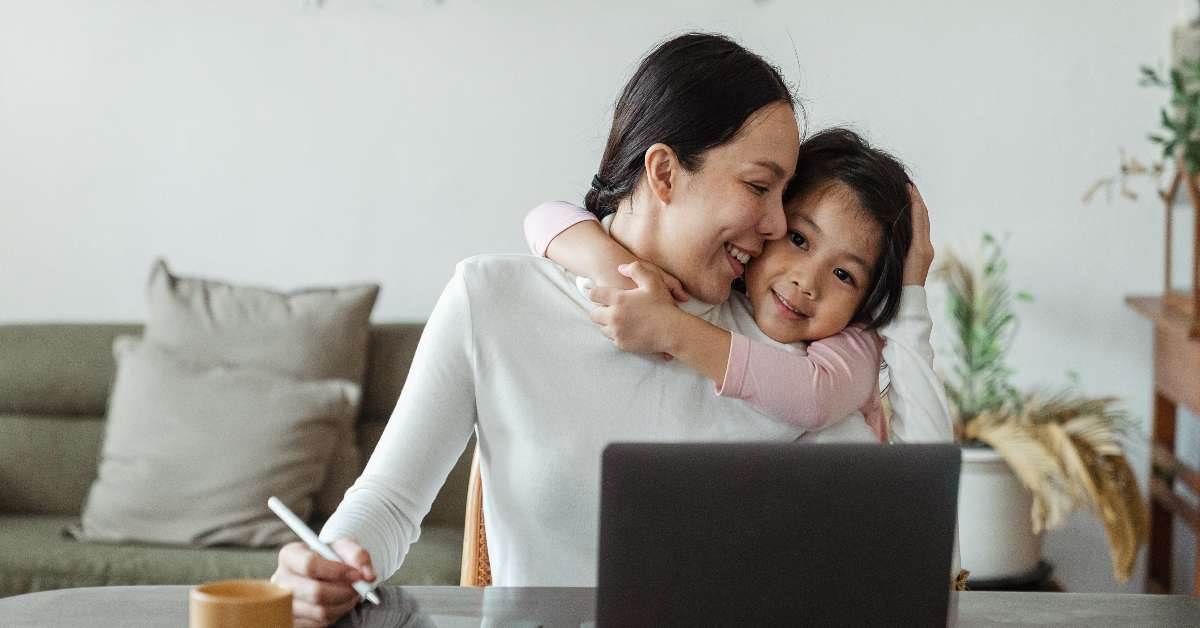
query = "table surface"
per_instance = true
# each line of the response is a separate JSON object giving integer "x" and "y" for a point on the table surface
{"x": 425, "y": 607}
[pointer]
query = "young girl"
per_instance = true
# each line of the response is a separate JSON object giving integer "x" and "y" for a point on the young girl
{"x": 833, "y": 279}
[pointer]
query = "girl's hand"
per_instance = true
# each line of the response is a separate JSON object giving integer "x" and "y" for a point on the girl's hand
{"x": 619, "y": 279}
{"x": 321, "y": 588}
{"x": 673, "y": 284}
{"x": 641, "y": 320}
{"x": 920, "y": 254}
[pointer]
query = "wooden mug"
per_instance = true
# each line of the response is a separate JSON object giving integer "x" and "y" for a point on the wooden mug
{"x": 238, "y": 603}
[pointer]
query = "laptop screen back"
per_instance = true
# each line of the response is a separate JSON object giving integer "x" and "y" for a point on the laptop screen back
{"x": 776, "y": 534}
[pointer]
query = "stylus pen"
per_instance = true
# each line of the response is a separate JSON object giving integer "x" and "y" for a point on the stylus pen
{"x": 310, "y": 538}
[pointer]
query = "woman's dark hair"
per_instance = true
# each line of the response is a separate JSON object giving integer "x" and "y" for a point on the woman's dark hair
{"x": 880, "y": 185}
{"x": 691, "y": 93}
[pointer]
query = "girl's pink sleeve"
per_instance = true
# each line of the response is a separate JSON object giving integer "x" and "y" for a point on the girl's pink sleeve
{"x": 839, "y": 375}
{"x": 544, "y": 222}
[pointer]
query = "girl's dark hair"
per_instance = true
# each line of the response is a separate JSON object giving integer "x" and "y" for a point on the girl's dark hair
{"x": 691, "y": 93}
{"x": 880, "y": 185}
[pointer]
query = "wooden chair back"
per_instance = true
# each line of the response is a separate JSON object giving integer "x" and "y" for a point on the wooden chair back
{"x": 476, "y": 569}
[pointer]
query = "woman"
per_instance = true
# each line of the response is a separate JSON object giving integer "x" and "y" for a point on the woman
{"x": 510, "y": 352}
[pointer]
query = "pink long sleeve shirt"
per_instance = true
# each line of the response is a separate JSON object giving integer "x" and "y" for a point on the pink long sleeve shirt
{"x": 810, "y": 387}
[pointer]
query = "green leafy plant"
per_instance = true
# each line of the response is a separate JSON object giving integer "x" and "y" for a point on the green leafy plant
{"x": 1180, "y": 119}
{"x": 1179, "y": 134}
{"x": 1062, "y": 445}
{"x": 979, "y": 302}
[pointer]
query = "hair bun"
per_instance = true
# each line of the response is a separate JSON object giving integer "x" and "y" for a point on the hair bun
{"x": 599, "y": 184}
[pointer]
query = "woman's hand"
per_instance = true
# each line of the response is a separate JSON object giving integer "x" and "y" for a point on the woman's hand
{"x": 920, "y": 254}
{"x": 321, "y": 588}
{"x": 641, "y": 320}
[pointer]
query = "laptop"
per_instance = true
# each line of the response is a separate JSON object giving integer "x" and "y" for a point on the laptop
{"x": 776, "y": 534}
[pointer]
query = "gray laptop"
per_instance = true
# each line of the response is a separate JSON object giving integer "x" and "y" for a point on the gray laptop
{"x": 776, "y": 534}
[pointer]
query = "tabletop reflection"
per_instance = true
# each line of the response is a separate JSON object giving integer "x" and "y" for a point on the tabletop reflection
{"x": 397, "y": 609}
{"x": 467, "y": 607}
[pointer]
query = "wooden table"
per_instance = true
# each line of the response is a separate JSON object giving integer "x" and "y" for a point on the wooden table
{"x": 1176, "y": 383}
{"x": 411, "y": 607}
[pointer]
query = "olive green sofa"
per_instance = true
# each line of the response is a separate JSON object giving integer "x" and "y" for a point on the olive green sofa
{"x": 54, "y": 386}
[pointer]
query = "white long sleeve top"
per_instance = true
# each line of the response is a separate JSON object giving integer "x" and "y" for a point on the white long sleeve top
{"x": 509, "y": 352}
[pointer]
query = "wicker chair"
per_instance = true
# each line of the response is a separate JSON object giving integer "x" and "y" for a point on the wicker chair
{"x": 476, "y": 569}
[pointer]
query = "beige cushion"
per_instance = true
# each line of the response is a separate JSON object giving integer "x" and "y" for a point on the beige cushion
{"x": 318, "y": 333}
{"x": 191, "y": 451}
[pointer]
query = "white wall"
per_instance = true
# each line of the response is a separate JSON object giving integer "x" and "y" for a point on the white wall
{"x": 276, "y": 142}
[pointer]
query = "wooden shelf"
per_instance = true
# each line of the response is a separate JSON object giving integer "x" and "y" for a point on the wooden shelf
{"x": 1155, "y": 309}
{"x": 1176, "y": 383}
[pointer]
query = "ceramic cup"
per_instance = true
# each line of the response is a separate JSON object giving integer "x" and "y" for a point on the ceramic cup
{"x": 239, "y": 603}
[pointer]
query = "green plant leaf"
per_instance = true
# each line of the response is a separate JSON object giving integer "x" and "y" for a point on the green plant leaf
{"x": 1151, "y": 77}
{"x": 1166, "y": 121}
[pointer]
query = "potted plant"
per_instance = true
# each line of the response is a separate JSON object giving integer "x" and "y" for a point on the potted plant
{"x": 1029, "y": 457}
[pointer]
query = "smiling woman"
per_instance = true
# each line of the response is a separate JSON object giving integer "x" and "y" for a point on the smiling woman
{"x": 703, "y": 223}
{"x": 707, "y": 178}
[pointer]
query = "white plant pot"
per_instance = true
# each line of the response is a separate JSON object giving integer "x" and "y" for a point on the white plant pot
{"x": 996, "y": 538}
